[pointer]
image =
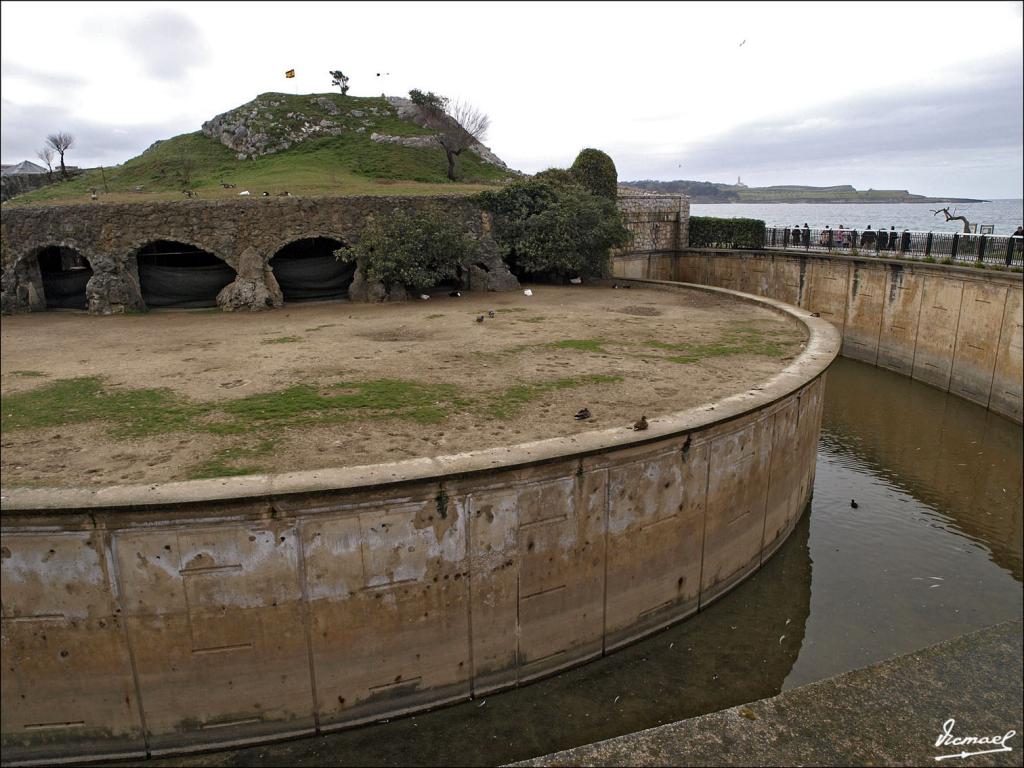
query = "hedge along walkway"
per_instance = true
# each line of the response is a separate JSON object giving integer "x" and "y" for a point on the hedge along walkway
{"x": 177, "y": 395}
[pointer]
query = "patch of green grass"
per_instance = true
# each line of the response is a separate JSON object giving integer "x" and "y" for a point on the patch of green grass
{"x": 303, "y": 404}
{"x": 145, "y": 412}
{"x": 536, "y": 319}
{"x": 28, "y": 374}
{"x": 738, "y": 340}
{"x": 282, "y": 340}
{"x": 583, "y": 345}
{"x": 221, "y": 464}
{"x": 321, "y": 327}
{"x": 435, "y": 316}
{"x": 507, "y": 403}
{"x": 129, "y": 412}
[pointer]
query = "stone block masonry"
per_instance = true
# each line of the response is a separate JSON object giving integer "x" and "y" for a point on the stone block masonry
{"x": 245, "y": 234}
{"x": 657, "y": 223}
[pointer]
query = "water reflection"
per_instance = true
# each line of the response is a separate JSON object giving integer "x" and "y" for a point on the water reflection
{"x": 933, "y": 550}
{"x": 959, "y": 460}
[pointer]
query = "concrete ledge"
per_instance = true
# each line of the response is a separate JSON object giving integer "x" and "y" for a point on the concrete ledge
{"x": 890, "y": 713}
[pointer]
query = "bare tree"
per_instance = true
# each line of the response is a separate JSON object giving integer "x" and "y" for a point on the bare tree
{"x": 459, "y": 125}
{"x": 61, "y": 143}
{"x": 953, "y": 217}
{"x": 46, "y": 155}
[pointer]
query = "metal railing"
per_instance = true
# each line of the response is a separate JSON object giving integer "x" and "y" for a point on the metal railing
{"x": 942, "y": 247}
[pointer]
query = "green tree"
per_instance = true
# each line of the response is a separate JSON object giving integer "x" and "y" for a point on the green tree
{"x": 595, "y": 171}
{"x": 428, "y": 100}
{"x": 338, "y": 78}
{"x": 415, "y": 250}
{"x": 543, "y": 228}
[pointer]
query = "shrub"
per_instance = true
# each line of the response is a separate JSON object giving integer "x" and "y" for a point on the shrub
{"x": 428, "y": 100}
{"x": 417, "y": 251}
{"x": 595, "y": 172}
{"x": 544, "y": 229}
{"x": 559, "y": 178}
{"x": 713, "y": 232}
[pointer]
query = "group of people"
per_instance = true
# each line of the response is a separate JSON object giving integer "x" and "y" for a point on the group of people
{"x": 869, "y": 238}
{"x": 845, "y": 238}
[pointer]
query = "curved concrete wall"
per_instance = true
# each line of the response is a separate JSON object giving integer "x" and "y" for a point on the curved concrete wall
{"x": 151, "y": 619}
{"x": 959, "y": 329}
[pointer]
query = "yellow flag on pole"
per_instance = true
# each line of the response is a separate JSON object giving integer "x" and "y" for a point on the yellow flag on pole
{"x": 290, "y": 73}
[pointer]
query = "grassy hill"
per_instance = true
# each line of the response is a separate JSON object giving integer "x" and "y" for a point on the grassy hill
{"x": 318, "y": 144}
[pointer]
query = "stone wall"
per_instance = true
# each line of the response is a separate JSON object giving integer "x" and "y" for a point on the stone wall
{"x": 142, "y": 620}
{"x": 657, "y": 223}
{"x": 959, "y": 329}
{"x": 19, "y": 184}
{"x": 247, "y": 233}
{"x": 244, "y": 233}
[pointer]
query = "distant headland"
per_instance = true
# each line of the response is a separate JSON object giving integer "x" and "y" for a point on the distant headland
{"x": 710, "y": 192}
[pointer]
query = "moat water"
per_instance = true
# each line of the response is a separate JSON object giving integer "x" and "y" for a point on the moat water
{"x": 932, "y": 550}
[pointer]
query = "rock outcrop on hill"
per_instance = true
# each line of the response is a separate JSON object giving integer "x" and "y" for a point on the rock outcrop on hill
{"x": 275, "y": 122}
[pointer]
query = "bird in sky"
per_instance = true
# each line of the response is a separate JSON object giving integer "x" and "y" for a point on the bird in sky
{"x": 742, "y": 44}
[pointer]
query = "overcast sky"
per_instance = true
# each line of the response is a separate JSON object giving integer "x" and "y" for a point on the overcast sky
{"x": 925, "y": 96}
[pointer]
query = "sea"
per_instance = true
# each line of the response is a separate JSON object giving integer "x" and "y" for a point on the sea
{"x": 1004, "y": 215}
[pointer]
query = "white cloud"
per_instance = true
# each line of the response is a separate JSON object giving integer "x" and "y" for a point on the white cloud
{"x": 643, "y": 80}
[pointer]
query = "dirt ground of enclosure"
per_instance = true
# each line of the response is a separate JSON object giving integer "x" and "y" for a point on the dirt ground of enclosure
{"x": 176, "y": 395}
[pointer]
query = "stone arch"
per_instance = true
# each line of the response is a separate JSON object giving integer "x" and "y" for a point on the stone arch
{"x": 64, "y": 273}
{"x": 305, "y": 268}
{"x": 178, "y": 273}
{"x": 23, "y": 278}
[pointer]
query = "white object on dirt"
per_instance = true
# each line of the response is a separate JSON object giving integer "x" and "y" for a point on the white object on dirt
{"x": 424, "y": 296}
{"x": 245, "y": 192}
{"x": 528, "y": 292}
{"x": 575, "y": 280}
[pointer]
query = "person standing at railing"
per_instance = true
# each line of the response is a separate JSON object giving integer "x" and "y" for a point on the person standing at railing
{"x": 843, "y": 235}
{"x": 796, "y": 235}
{"x": 807, "y": 236}
{"x": 892, "y": 238}
{"x": 1018, "y": 233}
{"x": 824, "y": 236}
{"x": 867, "y": 238}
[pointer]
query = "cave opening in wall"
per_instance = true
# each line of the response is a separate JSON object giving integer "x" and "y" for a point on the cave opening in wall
{"x": 65, "y": 273}
{"x": 173, "y": 274}
{"x": 307, "y": 270}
